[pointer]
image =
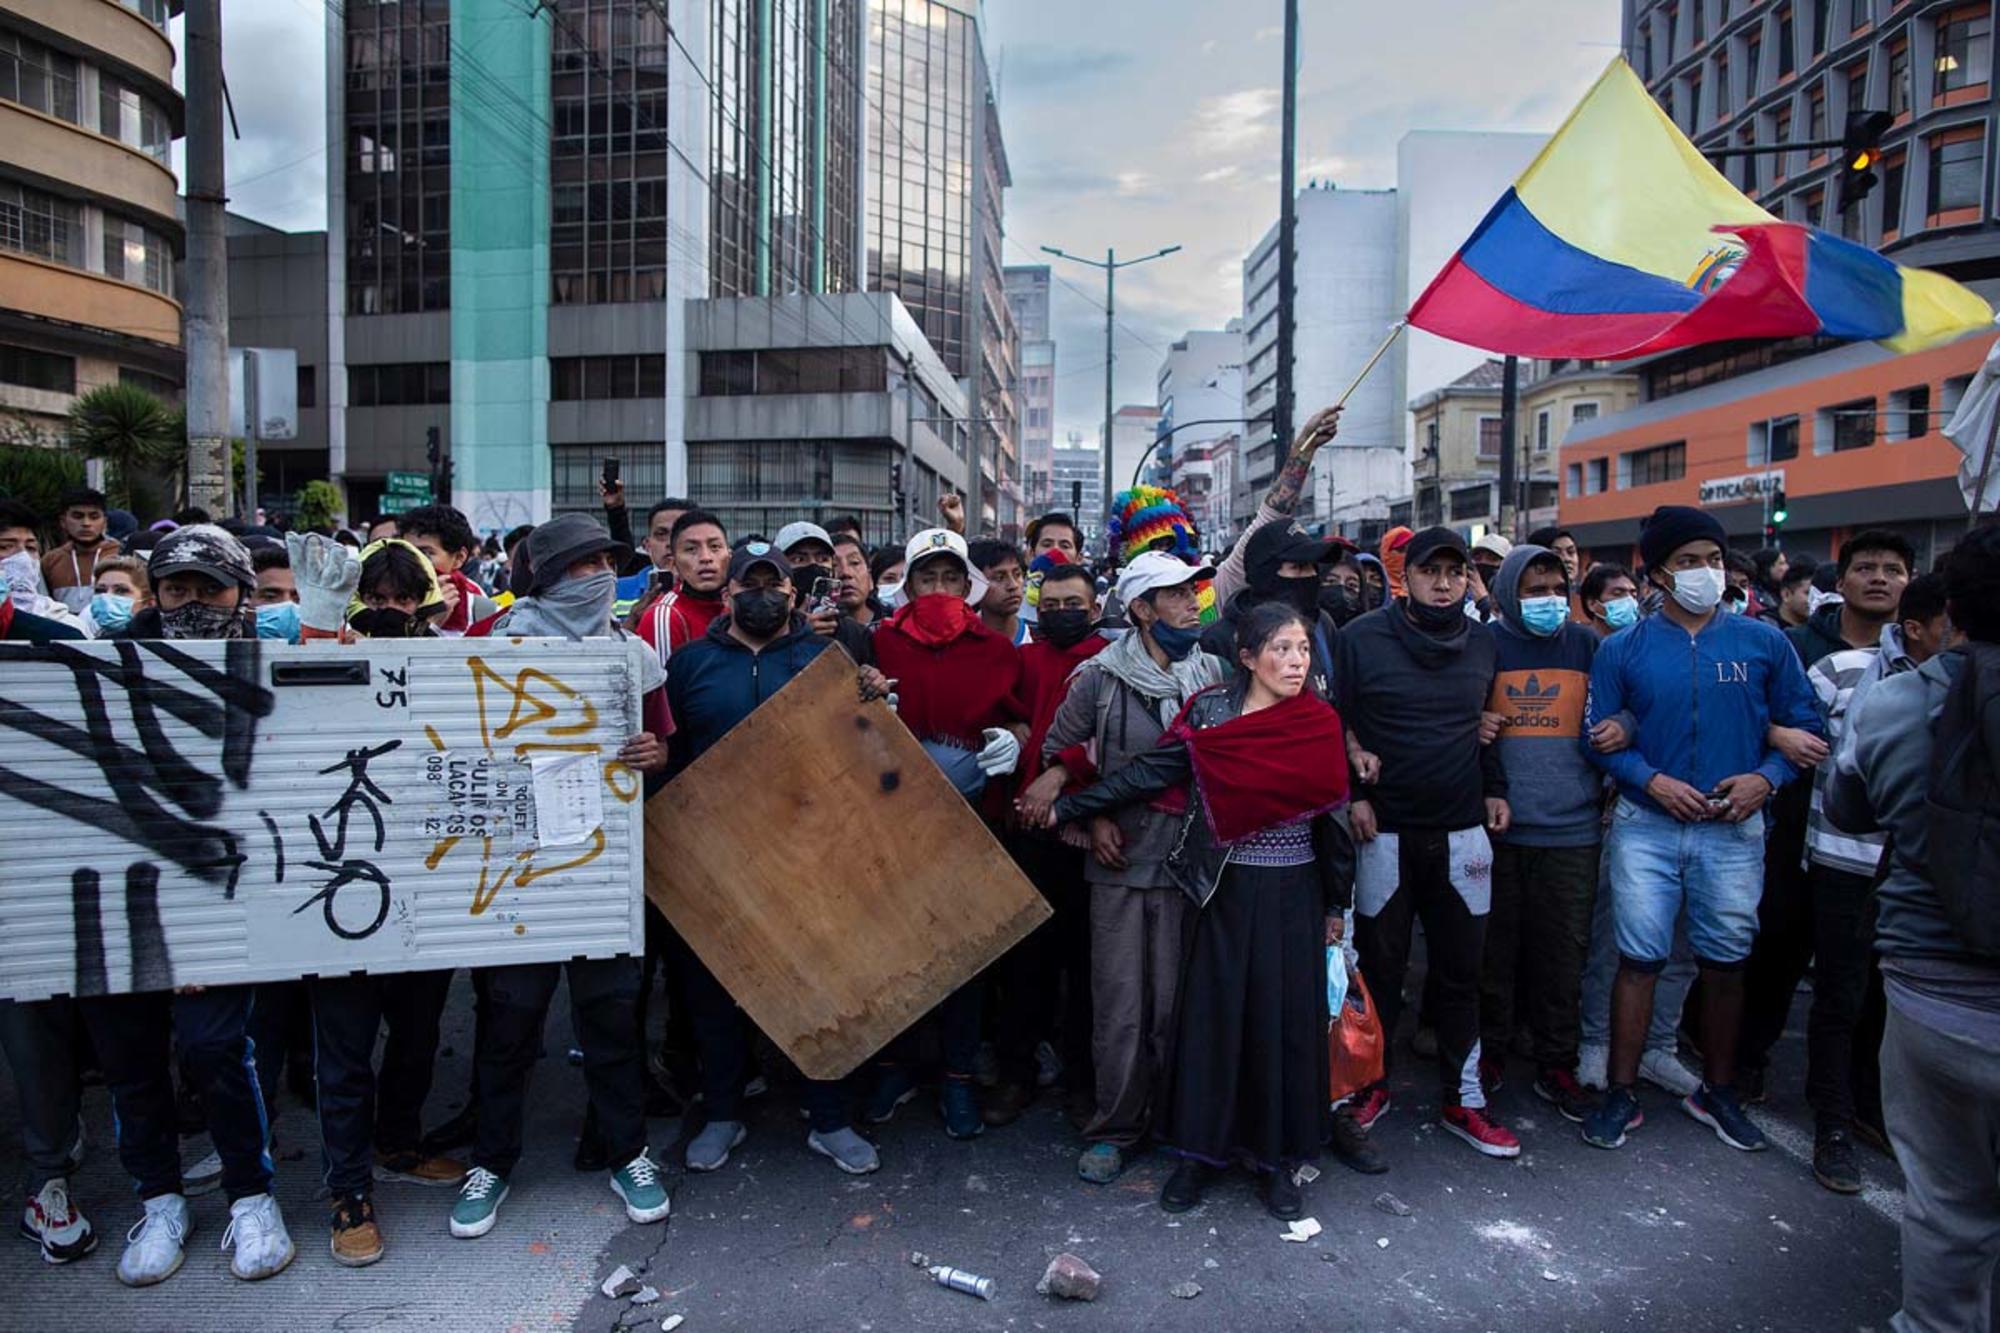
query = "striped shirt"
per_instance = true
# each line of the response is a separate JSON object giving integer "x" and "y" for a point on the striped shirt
{"x": 1834, "y": 678}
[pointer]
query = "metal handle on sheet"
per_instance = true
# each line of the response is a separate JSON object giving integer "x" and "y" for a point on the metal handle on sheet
{"x": 320, "y": 673}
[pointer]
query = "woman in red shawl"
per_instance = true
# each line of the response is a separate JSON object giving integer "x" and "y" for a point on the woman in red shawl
{"x": 1264, "y": 766}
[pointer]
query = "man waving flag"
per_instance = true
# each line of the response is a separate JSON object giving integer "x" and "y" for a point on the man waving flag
{"x": 1621, "y": 239}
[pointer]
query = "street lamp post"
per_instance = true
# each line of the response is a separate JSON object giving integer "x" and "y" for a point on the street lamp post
{"x": 1111, "y": 263}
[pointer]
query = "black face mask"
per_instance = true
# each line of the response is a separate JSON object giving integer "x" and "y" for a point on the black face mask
{"x": 385, "y": 622}
{"x": 761, "y": 611}
{"x": 1436, "y": 619}
{"x": 1064, "y": 628}
{"x": 1337, "y": 603}
{"x": 1300, "y": 592}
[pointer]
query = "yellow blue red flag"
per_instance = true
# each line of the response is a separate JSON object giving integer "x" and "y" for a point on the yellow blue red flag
{"x": 1620, "y": 239}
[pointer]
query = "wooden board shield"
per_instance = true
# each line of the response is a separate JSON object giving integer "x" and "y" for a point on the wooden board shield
{"x": 829, "y": 875}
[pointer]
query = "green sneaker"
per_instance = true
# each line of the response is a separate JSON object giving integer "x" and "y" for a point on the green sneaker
{"x": 1101, "y": 1163}
{"x": 638, "y": 1184}
{"x": 478, "y": 1206}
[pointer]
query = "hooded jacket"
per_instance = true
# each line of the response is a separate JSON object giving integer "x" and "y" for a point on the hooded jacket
{"x": 1413, "y": 700}
{"x": 1819, "y": 636}
{"x": 1703, "y": 702}
{"x": 1542, "y": 689}
{"x": 717, "y": 681}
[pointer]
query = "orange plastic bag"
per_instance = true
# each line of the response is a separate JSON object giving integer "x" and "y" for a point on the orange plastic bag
{"x": 1354, "y": 1041}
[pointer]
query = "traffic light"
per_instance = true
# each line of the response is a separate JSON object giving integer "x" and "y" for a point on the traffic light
{"x": 1860, "y": 150}
{"x": 1778, "y": 511}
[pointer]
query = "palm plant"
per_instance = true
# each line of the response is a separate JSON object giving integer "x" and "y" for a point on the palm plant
{"x": 141, "y": 439}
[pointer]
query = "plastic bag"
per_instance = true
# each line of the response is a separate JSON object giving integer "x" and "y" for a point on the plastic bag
{"x": 1336, "y": 978}
{"x": 1354, "y": 1045}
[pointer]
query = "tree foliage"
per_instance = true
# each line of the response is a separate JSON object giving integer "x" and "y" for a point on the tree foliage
{"x": 142, "y": 440}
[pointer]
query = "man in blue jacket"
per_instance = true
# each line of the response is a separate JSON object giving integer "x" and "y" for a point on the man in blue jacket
{"x": 1688, "y": 832}
{"x": 750, "y": 652}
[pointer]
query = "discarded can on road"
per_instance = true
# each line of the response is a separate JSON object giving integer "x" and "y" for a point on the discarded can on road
{"x": 960, "y": 1280}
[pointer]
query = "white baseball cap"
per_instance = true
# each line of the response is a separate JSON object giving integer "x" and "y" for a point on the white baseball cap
{"x": 1494, "y": 544}
{"x": 934, "y": 542}
{"x": 793, "y": 533}
{"x": 1157, "y": 569}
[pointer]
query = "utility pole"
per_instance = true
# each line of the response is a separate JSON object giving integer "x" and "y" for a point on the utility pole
{"x": 1283, "y": 408}
{"x": 1111, "y": 263}
{"x": 206, "y": 298}
{"x": 1510, "y": 384}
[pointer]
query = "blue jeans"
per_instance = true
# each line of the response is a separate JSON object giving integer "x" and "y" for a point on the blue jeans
{"x": 1669, "y": 992}
{"x": 1661, "y": 866}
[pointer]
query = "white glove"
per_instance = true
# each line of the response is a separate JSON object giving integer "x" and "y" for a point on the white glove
{"x": 326, "y": 574}
{"x": 1002, "y": 752}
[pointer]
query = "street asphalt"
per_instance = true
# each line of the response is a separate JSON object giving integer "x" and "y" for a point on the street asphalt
{"x": 1675, "y": 1231}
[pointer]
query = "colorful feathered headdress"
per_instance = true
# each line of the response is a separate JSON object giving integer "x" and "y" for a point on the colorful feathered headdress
{"x": 1152, "y": 518}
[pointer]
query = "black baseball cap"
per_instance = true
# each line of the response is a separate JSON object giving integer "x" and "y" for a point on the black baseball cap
{"x": 1423, "y": 545}
{"x": 754, "y": 553}
{"x": 1274, "y": 544}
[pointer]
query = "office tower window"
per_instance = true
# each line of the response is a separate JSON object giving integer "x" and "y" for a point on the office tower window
{"x": 1964, "y": 50}
{"x": 398, "y": 158}
{"x": 1957, "y": 164}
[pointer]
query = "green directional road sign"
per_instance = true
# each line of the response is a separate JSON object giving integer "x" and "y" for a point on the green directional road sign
{"x": 410, "y": 483}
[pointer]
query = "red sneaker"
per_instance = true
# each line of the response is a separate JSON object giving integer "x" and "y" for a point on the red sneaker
{"x": 1472, "y": 1124}
{"x": 1370, "y": 1106}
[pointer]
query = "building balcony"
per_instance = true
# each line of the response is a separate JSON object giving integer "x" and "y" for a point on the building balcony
{"x": 70, "y": 160}
{"x": 75, "y": 297}
{"x": 109, "y": 32}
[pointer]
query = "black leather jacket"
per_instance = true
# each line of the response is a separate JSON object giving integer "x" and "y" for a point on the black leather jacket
{"x": 1196, "y": 863}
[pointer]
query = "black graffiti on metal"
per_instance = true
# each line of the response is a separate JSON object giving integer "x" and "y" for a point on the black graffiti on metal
{"x": 342, "y": 869}
{"x": 159, "y": 798}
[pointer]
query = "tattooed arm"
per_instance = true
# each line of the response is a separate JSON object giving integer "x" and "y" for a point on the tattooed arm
{"x": 1281, "y": 500}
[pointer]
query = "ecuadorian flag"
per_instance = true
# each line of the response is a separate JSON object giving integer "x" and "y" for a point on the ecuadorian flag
{"x": 1621, "y": 239}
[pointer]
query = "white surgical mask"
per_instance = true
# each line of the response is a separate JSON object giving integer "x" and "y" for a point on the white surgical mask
{"x": 1698, "y": 590}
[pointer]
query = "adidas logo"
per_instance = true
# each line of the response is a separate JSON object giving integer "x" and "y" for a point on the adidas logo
{"x": 1532, "y": 698}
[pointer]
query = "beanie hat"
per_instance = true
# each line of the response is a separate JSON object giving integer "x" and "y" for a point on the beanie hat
{"x": 1148, "y": 518}
{"x": 1674, "y": 526}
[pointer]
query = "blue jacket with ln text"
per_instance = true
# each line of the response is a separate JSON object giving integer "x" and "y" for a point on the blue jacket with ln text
{"x": 1704, "y": 702}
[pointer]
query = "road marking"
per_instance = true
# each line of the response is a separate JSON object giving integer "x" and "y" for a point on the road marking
{"x": 1796, "y": 1144}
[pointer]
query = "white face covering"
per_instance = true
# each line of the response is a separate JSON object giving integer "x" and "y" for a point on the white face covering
{"x": 1699, "y": 590}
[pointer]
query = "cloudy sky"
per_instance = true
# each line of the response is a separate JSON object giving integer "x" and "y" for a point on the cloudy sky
{"x": 1129, "y": 123}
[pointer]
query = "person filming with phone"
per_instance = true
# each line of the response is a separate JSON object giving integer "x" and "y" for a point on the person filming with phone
{"x": 1688, "y": 830}
{"x": 816, "y": 584}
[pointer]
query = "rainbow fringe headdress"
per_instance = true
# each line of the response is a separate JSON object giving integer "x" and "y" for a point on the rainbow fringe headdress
{"x": 1152, "y": 518}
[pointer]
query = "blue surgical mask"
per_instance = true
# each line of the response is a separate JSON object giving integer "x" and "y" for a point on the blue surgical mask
{"x": 279, "y": 620}
{"x": 110, "y": 612}
{"x": 1175, "y": 643}
{"x": 1544, "y": 615}
{"x": 1621, "y": 612}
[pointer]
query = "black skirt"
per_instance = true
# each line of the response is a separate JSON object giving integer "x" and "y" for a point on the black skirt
{"x": 1249, "y": 1076}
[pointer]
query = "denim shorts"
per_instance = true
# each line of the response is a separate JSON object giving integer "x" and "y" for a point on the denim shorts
{"x": 1660, "y": 866}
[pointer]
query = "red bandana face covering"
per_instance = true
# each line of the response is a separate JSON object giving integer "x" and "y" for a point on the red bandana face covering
{"x": 935, "y": 619}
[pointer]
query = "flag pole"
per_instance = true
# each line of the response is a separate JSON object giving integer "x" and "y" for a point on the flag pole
{"x": 1394, "y": 330}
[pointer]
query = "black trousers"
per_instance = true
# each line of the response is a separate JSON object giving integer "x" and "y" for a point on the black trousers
{"x": 1537, "y": 938}
{"x": 603, "y": 998}
{"x": 1455, "y": 940}
{"x": 359, "y": 1111}
{"x": 722, "y": 1037}
{"x": 133, "y": 1035}
{"x": 1042, "y": 985}
{"x": 1843, "y": 945}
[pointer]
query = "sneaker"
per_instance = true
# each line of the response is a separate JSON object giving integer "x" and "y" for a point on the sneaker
{"x": 204, "y": 1176}
{"x": 1048, "y": 1065}
{"x": 1560, "y": 1089}
{"x": 54, "y": 1223}
{"x": 1005, "y": 1104}
{"x": 638, "y": 1184}
{"x": 1282, "y": 1196}
{"x": 1481, "y": 1130}
{"x": 478, "y": 1206}
{"x": 1664, "y": 1070}
{"x": 357, "y": 1241}
{"x": 958, "y": 1102}
{"x": 418, "y": 1168}
{"x": 893, "y": 1088}
{"x": 1185, "y": 1186}
{"x": 1593, "y": 1065}
{"x": 1833, "y": 1163}
{"x": 1351, "y": 1144}
{"x": 711, "y": 1148}
{"x": 1101, "y": 1163}
{"x": 1617, "y": 1115}
{"x": 154, "y": 1245}
{"x": 756, "y": 1086}
{"x": 1492, "y": 1073}
{"x": 257, "y": 1233}
{"x": 1718, "y": 1109}
{"x": 1424, "y": 1041}
{"x": 1371, "y": 1106}
{"x": 457, "y": 1132}
{"x": 846, "y": 1150}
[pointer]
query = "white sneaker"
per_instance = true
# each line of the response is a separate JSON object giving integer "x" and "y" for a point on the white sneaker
{"x": 153, "y": 1247}
{"x": 1592, "y": 1064}
{"x": 205, "y": 1174}
{"x": 56, "y": 1224}
{"x": 257, "y": 1231}
{"x": 1664, "y": 1070}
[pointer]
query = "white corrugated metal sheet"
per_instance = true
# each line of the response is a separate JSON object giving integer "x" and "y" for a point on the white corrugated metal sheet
{"x": 213, "y": 813}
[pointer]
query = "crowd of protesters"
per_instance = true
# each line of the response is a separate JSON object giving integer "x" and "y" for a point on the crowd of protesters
{"x": 1629, "y": 807}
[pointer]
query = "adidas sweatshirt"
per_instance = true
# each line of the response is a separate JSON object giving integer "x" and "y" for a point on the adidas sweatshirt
{"x": 1541, "y": 686}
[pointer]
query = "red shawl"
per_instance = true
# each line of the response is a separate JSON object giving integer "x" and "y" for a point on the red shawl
{"x": 1259, "y": 770}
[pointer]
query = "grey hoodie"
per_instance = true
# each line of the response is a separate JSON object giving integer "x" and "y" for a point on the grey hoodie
{"x": 1541, "y": 686}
